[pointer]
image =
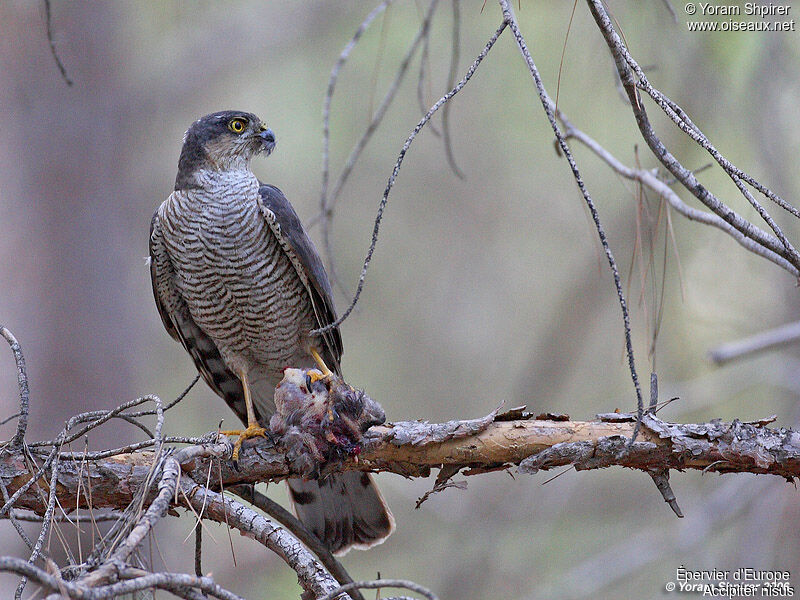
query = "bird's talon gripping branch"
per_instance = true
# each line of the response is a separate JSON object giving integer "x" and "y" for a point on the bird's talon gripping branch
{"x": 253, "y": 430}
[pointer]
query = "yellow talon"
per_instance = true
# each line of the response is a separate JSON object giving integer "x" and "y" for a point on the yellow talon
{"x": 315, "y": 375}
{"x": 320, "y": 363}
{"x": 253, "y": 430}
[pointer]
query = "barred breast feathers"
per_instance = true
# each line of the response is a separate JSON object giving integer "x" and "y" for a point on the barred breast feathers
{"x": 238, "y": 282}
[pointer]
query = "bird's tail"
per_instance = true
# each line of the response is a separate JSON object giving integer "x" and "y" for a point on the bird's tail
{"x": 344, "y": 510}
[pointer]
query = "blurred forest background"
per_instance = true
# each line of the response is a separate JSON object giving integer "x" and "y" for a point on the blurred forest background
{"x": 483, "y": 290}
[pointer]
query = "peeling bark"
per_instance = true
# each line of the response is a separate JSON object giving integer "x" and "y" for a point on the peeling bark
{"x": 412, "y": 448}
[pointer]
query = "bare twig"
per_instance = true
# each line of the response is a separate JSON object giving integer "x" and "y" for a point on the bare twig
{"x": 378, "y": 115}
{"x": 626, "y": 66}
{"x": 423, "y": 79}
{"x": 760, "y": 342}
{"x": 326, "y": 106}
{"x": 51, "y": 41}
{"x": 22, "y": 567}
{"x": 198, "y": 551}
{"x": 661, "y": 479}
{"x": 97, "y": 418}
{"x": 101, "y": 454}
{"x": 180, "y": 397}
{"x": 311, "y": 574}
{"x": 74, "y": 519}
{"x": 382, "y": 206}
{"x": 670, "y": 10}
{"x": 47, "y": 521}
{"x": 451, "y": 81}
{"x": 324, "y": 201}
{"x": 328, "y": 201}
{"x": 168, "y": 482}
{"x": 300, "y": 531}
{"x": 14, "y": 518}
{"x": 174, "y": 582}
{"x": 22, "y": 383}
{"x": 30, "y": 483}
{"x": 382, "y": 583}
{"x": 651, "y": 179}
{"x": 651, "y": 408}
{"x": 549, "y": 108}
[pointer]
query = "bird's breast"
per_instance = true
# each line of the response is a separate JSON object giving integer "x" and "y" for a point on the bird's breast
{"x": 240, "y": 286}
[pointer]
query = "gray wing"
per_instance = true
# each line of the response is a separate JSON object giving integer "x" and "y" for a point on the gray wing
{"x": 294, "y": 240}
{"x": 181, "y": 326}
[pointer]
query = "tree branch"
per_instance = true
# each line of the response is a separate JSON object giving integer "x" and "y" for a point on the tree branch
{"x": 310, "y": 573}
{"x": 166, "y": 479}
{"x": 626, "y": 67}
{"x": 649, "y": 178}
{"x": 413, "y": 448}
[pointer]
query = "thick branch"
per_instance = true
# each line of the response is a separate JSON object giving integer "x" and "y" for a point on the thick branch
{"x": 412, "y": 448}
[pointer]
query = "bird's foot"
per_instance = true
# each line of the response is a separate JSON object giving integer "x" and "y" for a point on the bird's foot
{"x": 253, "y": 430}
{"x": 315, "y": 375}
{"x": 323, "y": 368}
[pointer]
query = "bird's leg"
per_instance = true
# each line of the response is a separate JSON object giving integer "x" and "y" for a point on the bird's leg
{"x": 326, "y": 372}
{"x": 253, "y": 428}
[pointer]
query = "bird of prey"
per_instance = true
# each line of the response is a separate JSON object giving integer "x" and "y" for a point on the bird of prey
{"x": 240, "y": 285}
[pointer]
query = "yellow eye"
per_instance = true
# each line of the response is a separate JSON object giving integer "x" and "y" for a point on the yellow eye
{"x": 237, "y": 125}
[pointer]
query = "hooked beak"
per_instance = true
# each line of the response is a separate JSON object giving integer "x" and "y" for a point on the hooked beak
{"x": 267, "y": 139}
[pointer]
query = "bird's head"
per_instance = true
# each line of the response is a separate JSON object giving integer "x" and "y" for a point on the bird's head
{"x": 226, "y": 140}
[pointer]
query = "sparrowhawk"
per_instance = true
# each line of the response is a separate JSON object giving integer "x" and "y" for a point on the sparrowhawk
{"x": 240, "y": 285}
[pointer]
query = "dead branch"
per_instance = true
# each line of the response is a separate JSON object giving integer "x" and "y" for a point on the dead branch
{"x": 413, "y": 448}
{"x": 312, "y": 576}
{"x": 165, "y": 479}
{"x": 49, "y": 23}
{"x": 300, "y": 531}
{"x": 651, "y": 179}
{"x": 627, "y": 67}
{"x": 22, "y": 384}
{"x": 103, "y": 581}
{"x": 760, "y": 342}
{"x": 382, "y": 583}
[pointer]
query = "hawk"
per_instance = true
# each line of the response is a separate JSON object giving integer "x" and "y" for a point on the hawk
{"x": 240, "y": 285}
